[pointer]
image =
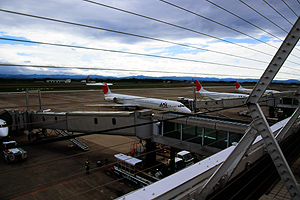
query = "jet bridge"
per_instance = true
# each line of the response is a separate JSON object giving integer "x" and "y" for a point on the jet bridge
{"x": 66, "y": 123}
{"x": 78, "y": 121}
{"x": 285, "y": 101}
{"x": 85, "y": 122}
{"x": 142, "y": 124}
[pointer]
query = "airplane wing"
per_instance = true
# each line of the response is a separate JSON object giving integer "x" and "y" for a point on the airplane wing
{"x": 111, "y": 105}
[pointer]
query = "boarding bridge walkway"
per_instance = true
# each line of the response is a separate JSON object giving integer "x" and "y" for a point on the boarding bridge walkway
{"x": 284, "y": 99}
{"x": 112, "y": 123}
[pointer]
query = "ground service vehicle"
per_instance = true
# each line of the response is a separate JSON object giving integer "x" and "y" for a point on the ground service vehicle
{"x": 12, "y": 154}
{"x": 132, "y": 169}
{"x": 179, "y": 164}
{"x": 186, "y": 156}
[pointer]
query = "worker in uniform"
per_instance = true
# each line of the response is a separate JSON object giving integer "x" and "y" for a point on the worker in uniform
{"x": 87, "y": 166}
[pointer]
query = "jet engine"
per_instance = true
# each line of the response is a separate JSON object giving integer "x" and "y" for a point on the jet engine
{"x": 111, "y": 99}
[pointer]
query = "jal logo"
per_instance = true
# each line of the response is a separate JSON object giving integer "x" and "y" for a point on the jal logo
{"x": 163, "y": 105}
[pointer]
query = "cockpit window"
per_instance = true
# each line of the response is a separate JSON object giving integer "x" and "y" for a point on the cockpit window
{"x": 181, "y": 105}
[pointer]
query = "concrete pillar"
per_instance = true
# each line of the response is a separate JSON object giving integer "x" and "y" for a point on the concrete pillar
{"x": 172, "y": 160}
{"x": 150, "y": 159}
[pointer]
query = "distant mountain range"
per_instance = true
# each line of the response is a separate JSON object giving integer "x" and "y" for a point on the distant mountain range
{"x": 81, "y": 77}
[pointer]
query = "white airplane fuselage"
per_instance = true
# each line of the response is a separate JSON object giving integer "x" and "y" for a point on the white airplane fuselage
{"x": 218, "y": 95}
{"x": 3, "y": 128}
{"x": 153, "y": 103}
{"x": 248, "y": 91}
{"x": 244, "y": 90}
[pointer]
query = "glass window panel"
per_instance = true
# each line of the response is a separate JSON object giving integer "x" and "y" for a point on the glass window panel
{"x": 296, "y": 102}
{"x": 221, "y": 139}
{"x": 188, "y": 132}
{"x": 210, "y": 136}
{"x": 198, "y": 135}
{"x": 172, "y": 130}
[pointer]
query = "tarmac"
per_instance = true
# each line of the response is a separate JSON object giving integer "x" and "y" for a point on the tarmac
{"x": 56, "y": 171}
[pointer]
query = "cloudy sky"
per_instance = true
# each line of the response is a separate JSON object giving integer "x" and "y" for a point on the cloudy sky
{"x": 203, "y": 38}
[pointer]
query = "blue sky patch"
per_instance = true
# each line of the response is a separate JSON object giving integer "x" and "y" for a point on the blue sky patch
{"x": 24, "y": 54}
{"x": 14, "y": 40}
{"x": 249, "y": 40}
{"x": 175, "y": 50}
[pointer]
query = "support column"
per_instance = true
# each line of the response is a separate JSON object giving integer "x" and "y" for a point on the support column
{"x": 274, "y": 150}
{"x": 172, "y": 160}
{"x": 27, "y": 104}
{"x": 150, "y": 159}
{"x": 40, "y": 100}
{"x": 195, "y": 99}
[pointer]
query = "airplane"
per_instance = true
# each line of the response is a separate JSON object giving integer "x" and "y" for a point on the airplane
{"x": 3, "y": 128}
{"x": 138, "y": 101}
{"x": 248, "y": 91}
{"x": 217, "y": 95}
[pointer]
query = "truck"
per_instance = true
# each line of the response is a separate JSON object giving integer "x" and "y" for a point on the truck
{"x": 11, "y": 153}
{"x": 179, "y": 164}
{"x": 186, "y": 156}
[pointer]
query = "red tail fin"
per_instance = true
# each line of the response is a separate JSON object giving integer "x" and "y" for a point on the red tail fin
{"x": 105, "y": 88}
{"x": 237, "y": 85}
{"x": 198, "y": 85}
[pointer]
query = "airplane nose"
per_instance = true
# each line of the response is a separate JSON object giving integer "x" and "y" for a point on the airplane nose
{"x": 3, "y": 132}
{"x": 186, "y": 110}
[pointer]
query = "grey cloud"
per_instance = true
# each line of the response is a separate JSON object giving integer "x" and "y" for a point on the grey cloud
{"x": 95, "y": 15}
